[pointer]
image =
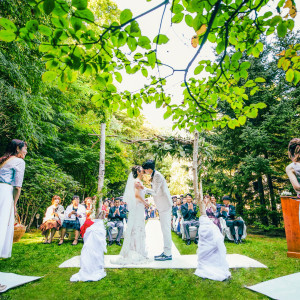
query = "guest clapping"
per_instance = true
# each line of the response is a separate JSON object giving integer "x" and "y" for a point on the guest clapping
{"x": 74, "y": 216}
{"x": 211, "y": 211}
{"x": 116, "y": 216}
{"x": 189, "y": 213}
{"x": 227, "y": 211}
{"x": 52, "y": 220}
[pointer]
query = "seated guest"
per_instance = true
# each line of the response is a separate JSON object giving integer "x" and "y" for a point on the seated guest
{"x": 211, "y": 210}
{"x": 213, "y": 200}
{"x": 189, "y": 214}
{"x": 105, "y": 207}
{"x": 90, "y": 215}
{"x": 74, "y": 217}
{"x": 179, "y": 216}
{"x": 175, "y": 209}
{"x": 116, "y": 216}
{"x": 227, "y": 212}
{"x": 52, "y": 220}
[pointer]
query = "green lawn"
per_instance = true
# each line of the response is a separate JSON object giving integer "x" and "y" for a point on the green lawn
{"x": 31, "y": 257}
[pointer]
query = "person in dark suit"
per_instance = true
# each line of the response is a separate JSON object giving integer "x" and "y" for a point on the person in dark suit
{"x": 116, "y": 216}
{"x": 189, "y": 214}
{"x": 227, "y": 211}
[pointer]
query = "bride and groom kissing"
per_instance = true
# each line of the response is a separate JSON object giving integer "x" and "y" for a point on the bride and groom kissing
{"x": 134, "y": 247}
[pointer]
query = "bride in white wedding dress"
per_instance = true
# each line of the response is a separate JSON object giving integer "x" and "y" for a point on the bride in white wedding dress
{"x": 134, "y": 247}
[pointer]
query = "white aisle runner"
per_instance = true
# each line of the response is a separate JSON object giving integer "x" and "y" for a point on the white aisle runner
{"x": 154, "y": 244}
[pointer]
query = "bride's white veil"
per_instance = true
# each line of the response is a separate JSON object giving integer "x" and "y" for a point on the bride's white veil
{"x": 129, "y": 195}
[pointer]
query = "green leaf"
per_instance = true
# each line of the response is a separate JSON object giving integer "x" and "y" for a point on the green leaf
{"x": 245, "y": 65}
{"x": 7, "y": 36}
{"x": 118, "y": 77}
{"x": 136, "y": 112}
{"x": 236, "y": 56}
{"x": 61, "y": 9}
{"x": 32, "y": 25}
{"x": 111, "y": 88}
{"x": 48, "y": 6}
{"x": 189, "y": 20}
{"x": 260, "y": 46}
{"x": 145, "y": 72}
{"x": 198, "y": 69}
{"x": 296, "y": 77}
{"x": 151, "y": 57}
{"x": 125, "y": 16}
{"x": 161, "y": 39}
{"x": 260, "y": 79}
{"x": 101, "y": 82}
{"x": 7, "y": 24}
{"x": 45, "y": 48}
{"x": 255, "y": 52}
{"x": 212, "y": 38}
{"x": 168, "y": 113}
{"x": 159, "y": 103}
{"x": 85, "y": 14}
{"x": 261, "y": 105}
{"x": 177, "y": 8}
{"x": 177, "y": 18}
{"x": 242, "y": 120}
{"x": 231, "y": 124}
{"x": 132, "y": 43}
{"x": 281, "y": 29}
{"x": 290, "y": 24}
{"x": 79, "y": 4}
{"x": 144, "y": 42}
{"x": 220, "y": 47}
{"x": 76, "y": 23}
{"x": 289, "y": 76}
{"x": 135, "y": 29}
{"x": 45, "y": 30}
{"x": 49, "y": 76}
{"x": 122, "y": 39}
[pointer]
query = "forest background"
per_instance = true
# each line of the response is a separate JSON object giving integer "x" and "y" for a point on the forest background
{"x": 247, "y": 163}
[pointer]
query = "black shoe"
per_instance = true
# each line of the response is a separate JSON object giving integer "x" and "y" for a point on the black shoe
{"x": 110, "y": 243}
{"x": 236, "y": 241}
{"x": 196, "y": 241}
{"x": 188, "y": 242}
{"x": 118, "y": 243}
{"x": 163, "y": 257}
{"x": 240, "y": 241}
{"x": 158, "y": 256}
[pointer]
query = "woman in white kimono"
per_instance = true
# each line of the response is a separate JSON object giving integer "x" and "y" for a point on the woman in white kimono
{"x": 12, "y": 167}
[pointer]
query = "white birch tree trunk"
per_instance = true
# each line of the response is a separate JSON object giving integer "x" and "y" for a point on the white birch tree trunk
{"x": 101, "y": 164}
{"x": 195, "y": 166}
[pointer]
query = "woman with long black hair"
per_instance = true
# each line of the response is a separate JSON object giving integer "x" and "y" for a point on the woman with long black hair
{"x": 12, "y": 167}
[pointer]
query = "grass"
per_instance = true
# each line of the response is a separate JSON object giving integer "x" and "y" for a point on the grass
{"x": 31, "y": 257}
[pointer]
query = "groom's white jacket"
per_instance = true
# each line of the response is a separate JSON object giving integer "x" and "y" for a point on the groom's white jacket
{"x": 160, "y": 192}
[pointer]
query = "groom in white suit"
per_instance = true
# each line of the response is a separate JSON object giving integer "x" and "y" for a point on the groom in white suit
{"x": 163, "y": 202}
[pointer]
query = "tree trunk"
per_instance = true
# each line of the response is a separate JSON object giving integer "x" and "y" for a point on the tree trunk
{"x": 274, "y": 215}
{"x": 197, "y": 191}
{"x": 101, "y": 164}
{"x": 263, "y": 214}
{"x": 195, "y": 167}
